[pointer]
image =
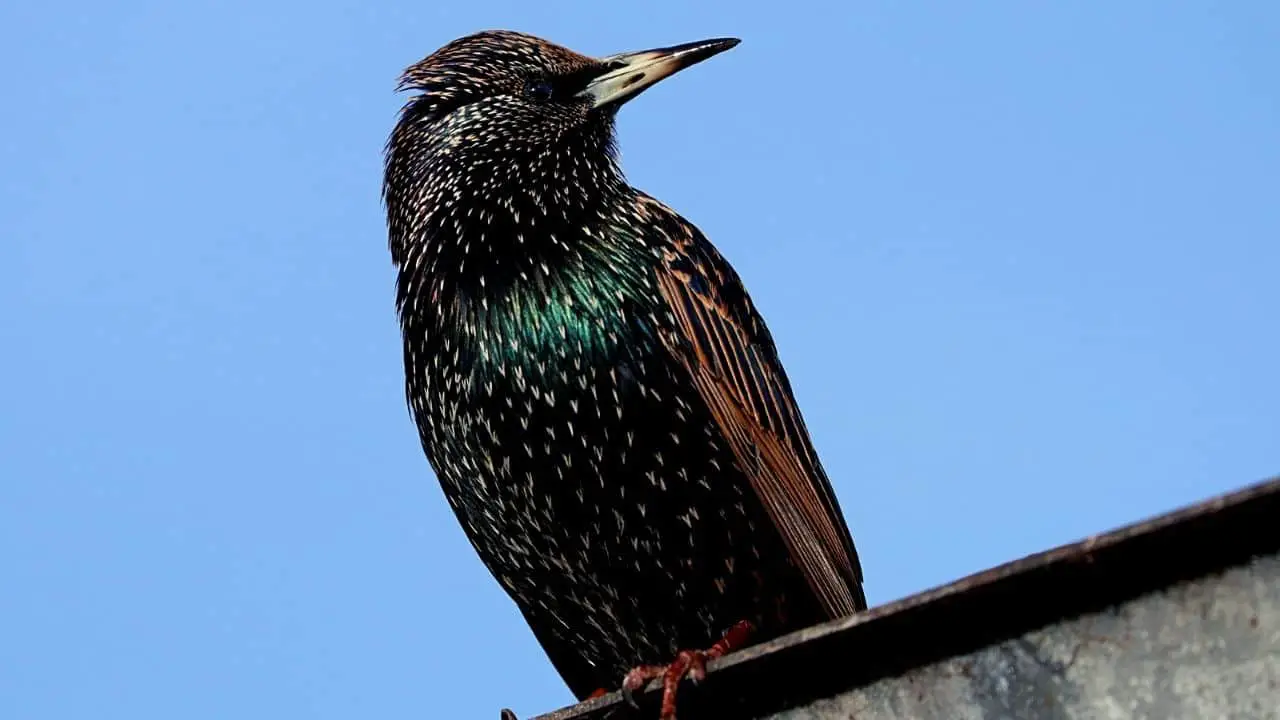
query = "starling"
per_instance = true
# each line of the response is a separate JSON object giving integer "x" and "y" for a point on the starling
{"x": 601, "y": 402}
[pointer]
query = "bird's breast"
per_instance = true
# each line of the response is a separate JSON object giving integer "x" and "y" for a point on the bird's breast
{"x": 540, "y": 418}
{"x": 527, "y": 365}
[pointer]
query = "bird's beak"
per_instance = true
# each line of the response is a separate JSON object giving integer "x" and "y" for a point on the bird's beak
{"x": 626, "y": 75}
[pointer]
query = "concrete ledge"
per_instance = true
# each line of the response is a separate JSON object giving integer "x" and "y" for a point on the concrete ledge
{"x": 1177, "y": 616}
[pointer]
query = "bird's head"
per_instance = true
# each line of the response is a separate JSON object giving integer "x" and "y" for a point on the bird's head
{"x": 501, "y": 99}
{"x": 509, "y": 87}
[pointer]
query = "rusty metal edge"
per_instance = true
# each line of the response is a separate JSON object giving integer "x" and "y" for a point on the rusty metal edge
{"x": 984, "y": 608}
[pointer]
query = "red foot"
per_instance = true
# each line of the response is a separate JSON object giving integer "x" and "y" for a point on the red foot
{"x": 598, "y": 692}
{"x": 688, "y": 662}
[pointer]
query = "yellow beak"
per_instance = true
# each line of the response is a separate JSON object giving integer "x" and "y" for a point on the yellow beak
{"x": 628, "y": 74}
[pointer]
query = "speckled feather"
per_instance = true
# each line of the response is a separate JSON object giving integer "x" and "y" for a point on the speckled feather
{"x": 601, "y": 403}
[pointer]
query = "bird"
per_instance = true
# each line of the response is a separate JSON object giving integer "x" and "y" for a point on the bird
{"x": 599, "y": 398}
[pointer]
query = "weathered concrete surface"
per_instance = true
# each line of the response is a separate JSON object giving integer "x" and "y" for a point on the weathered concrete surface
{"x": 1205, "y": 649}
{"x": 1177, "y": 616}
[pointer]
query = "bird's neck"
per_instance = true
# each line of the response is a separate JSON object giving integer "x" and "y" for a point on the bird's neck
{"x": 499, "y": 231}
{"x": 491, "y": 217}
{"x": 514, "y": 279}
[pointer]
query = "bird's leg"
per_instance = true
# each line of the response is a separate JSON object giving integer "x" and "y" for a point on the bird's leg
{"x": 598, "y": 692}
{"x": 692, "y": 663}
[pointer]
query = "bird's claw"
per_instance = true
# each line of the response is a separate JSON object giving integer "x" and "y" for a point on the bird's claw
{"x": 637, "y": 679}
{"x": 688, "y": 663}
{"x": 630, "y": 697}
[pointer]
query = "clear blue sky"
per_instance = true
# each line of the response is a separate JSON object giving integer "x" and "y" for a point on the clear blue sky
{"x": 1020, "y": 261}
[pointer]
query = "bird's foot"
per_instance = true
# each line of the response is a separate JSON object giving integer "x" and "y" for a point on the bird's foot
{"x": 691, "y": 663}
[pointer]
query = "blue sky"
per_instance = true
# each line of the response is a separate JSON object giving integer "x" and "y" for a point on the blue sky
{"x": 1018, "y": 259}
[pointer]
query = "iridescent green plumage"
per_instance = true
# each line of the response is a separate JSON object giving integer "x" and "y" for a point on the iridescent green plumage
{"x": 581, "y": 302}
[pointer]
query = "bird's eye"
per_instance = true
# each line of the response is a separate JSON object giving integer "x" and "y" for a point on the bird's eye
{"x": 540, "y": 90}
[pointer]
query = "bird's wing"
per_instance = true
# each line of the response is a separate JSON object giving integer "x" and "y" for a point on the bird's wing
{"x": 726, "y": 347}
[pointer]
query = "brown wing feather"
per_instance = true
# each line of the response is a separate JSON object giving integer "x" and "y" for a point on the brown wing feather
{"x": 728, "y": 351}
